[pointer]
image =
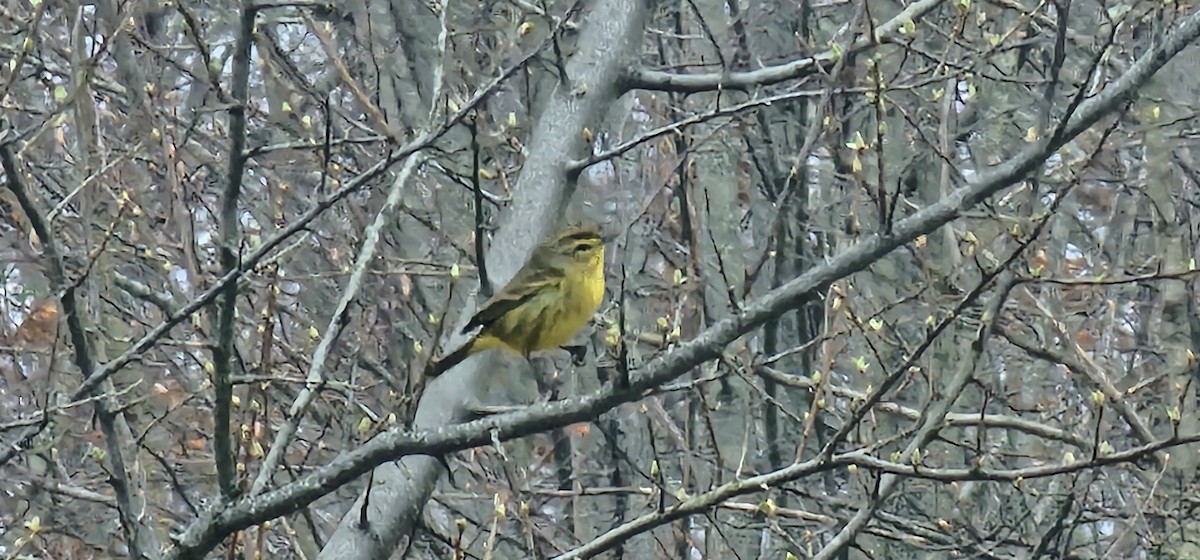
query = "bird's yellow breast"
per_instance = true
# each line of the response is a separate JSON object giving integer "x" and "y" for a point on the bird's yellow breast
{"x": 591, "y": 285}
{"x": 550, "y": 318}
{"x": 582, "y": 293}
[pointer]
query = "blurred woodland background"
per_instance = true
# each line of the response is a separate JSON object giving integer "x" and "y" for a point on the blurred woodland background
{"x": 890, "y": 279}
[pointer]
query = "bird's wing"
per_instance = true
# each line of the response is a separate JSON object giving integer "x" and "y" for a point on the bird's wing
{"x": 519, "y": 290}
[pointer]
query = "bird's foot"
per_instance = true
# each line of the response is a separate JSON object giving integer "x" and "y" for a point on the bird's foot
{"x": 578, "y": 354}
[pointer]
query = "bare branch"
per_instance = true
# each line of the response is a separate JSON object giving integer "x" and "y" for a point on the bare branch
{"x": 887, "y": 32}
{"x": 230, "y": 249}
{"x": 134, "y": 532}
{"x": 316, "y": 372}
{"x": 862, "y": 460}
{"x": 706, "y": 346}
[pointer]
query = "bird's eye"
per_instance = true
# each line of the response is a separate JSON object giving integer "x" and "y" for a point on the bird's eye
{"x": 580, "y": 250}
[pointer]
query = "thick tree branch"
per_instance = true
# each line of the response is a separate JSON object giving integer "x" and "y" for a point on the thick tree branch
{"x": 1080, "y": 115}
{"x": 610, "y": 36}
{"x": 440, "y": 406}
{"x": 252, "y": 260}
{"x": 230, "y": 247}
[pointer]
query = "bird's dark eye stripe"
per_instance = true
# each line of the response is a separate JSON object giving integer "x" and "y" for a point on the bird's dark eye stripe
{"x": 577, "y": 240}
{"x": 583, "y": 244}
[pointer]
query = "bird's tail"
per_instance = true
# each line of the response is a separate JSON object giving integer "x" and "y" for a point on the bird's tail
{"x": 439, "y": 366}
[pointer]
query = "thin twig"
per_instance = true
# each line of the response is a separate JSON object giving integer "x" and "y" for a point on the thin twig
{"x": 393, "y": 444}
{"x": 864, "y": 460}
{"x": 316, "y": 372}
{"x": 55, "y": 273}
{"x": 262, "y": 254}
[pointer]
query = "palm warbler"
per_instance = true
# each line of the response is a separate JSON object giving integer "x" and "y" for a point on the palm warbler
{"x": 544, "y": 305}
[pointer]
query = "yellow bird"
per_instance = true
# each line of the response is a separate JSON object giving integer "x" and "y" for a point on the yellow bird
{"x": 553, "y": 296}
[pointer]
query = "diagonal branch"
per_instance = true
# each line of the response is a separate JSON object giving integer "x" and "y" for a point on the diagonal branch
{"x": 863, "y": 460}
{"x": 249, "y": 262}
{"x": 316, "y": 373}
{"x": 136, "y": 536}
{"x": 1085, "y": 367}
{"x": 678, "y": 126}
{"x": 434, "y": 439}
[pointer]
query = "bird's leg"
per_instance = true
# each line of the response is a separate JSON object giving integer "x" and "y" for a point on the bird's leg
{"x": 537, "y": 374}
{"x": 546, "y": 389}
